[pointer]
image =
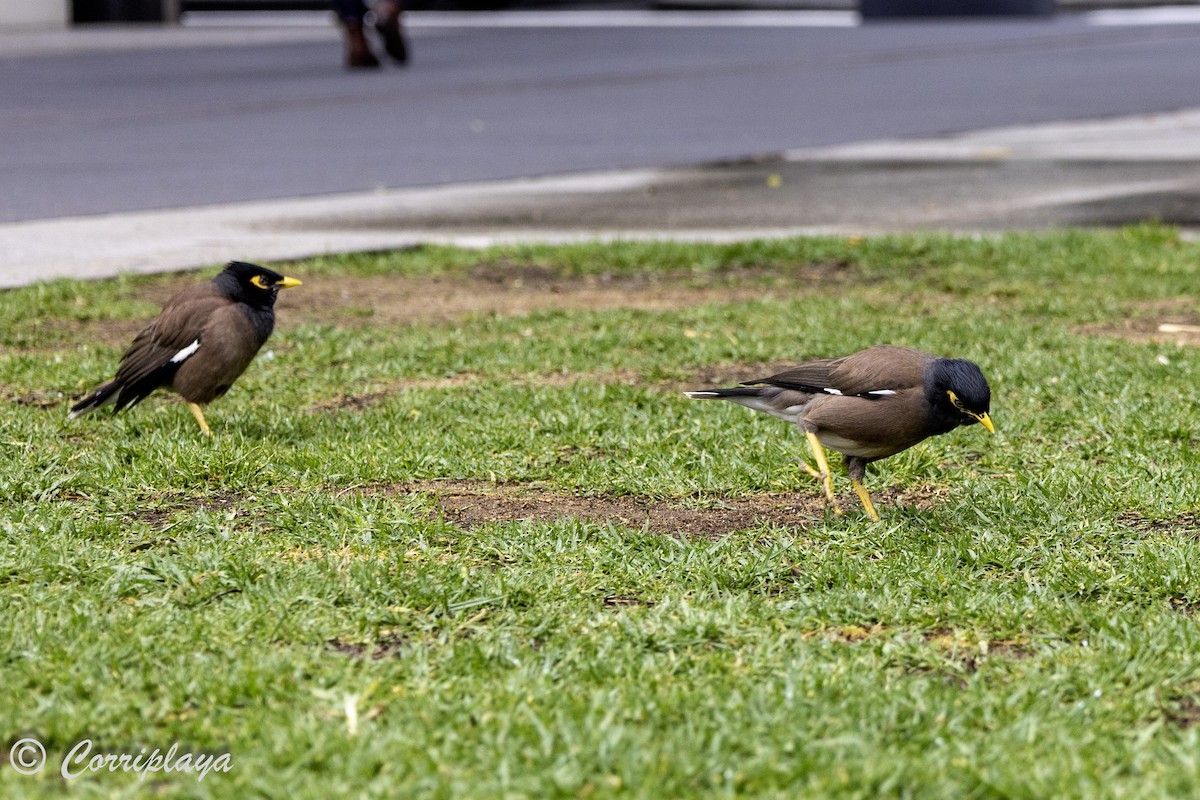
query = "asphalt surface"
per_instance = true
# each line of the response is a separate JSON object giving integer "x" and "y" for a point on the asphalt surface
{"x": 169, "y": 148}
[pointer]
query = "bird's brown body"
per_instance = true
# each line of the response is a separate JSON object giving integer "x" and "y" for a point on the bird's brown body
{"x": 202, "y": 341}
{"x": 198, "y": 313}
{"x": 869, "y": 405}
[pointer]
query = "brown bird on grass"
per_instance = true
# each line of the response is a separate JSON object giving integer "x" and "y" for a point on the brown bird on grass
{"x": 202, "y": 341}
{"x": 869, "y": 405}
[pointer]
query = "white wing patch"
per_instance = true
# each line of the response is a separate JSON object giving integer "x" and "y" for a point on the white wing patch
{"x": 185, "y": 353}
{"x": 873, "y": 393}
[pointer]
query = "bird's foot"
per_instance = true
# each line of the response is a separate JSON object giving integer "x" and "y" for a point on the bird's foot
{"x": 199, "y": 415}
{"x": 826, "y": 482}
{"x": 865, "y": 497}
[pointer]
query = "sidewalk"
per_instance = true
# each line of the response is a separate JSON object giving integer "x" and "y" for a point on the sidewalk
{"x": 1103, "y": 172}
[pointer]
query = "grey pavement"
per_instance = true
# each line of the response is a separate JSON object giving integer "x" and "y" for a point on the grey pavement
{"x": 954, "y": 176}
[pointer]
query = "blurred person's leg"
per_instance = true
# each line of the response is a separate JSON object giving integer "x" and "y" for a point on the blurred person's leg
{"x": 387, "y": 22}
{"x": 352, "y": 14}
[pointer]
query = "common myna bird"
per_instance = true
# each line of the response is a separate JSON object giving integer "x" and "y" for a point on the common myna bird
{"x": 869, "y": 405}
{"x": 202, "y": 341}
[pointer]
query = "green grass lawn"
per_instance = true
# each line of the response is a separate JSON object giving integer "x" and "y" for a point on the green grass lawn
{"x": 297, "y": 594}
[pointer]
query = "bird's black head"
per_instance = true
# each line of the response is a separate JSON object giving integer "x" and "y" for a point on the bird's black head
{"x": 251, "y": 284}
{"x": 959, "y": 393}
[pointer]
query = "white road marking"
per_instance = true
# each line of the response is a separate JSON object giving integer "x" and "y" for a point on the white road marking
{"x": 1159, "y": 15}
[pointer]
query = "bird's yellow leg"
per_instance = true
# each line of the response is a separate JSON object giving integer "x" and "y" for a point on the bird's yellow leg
{"x": 865, "y": 496}
{"x": 199, "y": 415}
{"x": 823, "y": 475}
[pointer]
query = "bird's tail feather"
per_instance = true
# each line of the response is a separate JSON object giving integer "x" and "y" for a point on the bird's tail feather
{"x": 767, "y": 399}
{"x": 102, "y": 396}
{"x": 726, "y": 394}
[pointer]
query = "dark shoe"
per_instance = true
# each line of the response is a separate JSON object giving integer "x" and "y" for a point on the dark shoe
{"x": 388, "y": 25}
{"x": 358, "y": 51}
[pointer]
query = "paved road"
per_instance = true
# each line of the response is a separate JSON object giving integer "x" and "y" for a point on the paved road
{"x": 200, "y": 117}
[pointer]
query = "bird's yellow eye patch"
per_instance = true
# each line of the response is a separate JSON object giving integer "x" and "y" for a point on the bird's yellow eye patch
{"x": 260, "y": 282}
{"x": 983, "y": 419}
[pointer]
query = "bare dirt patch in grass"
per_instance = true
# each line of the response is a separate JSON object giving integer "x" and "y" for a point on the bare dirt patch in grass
{"x": 1174, "y": 321}
{"x": 388, "y": 646}
{"x": 472, "y": 504}
{"x": 509, "y": 289}
{"x": 354, "y": 402}
{"x": 972, "y": 652}
{"x": 157, "y": 514}
{"x": 1186, "y": 713}
{"x": 44, "y": 400}
{"x": 960, "y": 654}
{"x": 1186, "y": 522}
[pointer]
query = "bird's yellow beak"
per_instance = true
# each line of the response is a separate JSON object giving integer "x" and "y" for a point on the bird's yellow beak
{"x": 985, "y": 421}
{"x": 287, "y": 283}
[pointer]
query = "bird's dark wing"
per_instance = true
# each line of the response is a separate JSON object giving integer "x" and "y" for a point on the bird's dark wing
{"x": 813, "y": 377}
{"x": 156, "y": 352}
{"x": 876, "y": 371}
{"x": 885, "y": 367}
